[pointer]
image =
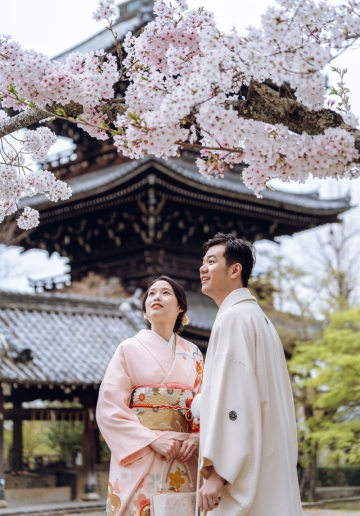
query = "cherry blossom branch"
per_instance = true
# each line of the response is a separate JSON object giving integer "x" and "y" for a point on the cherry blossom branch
{"x": 185, "y": 81}
{"x": 266, "y": 105}
{"x": 73, "y": 110}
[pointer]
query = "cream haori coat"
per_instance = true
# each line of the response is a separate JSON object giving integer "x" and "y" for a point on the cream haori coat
{"x": 135, "y": 469}
{"x": 248, "y": 426}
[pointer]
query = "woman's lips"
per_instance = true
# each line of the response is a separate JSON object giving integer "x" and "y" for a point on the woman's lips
{"x": 156, "y": 305}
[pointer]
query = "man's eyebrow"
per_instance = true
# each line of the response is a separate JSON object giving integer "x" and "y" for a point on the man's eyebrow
{"x": 210, "y": 256}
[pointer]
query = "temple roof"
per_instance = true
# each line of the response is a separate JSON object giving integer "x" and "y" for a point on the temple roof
{"x": 70, "y": 341}
{"x": 63, "y": 339}
{"x": 134, "y": 14}
{"x": 186, "y": 172}
{"x": 104, "y": 40}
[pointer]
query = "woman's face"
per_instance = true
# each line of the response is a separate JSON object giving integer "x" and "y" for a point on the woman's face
{"x": 161, "y": 303}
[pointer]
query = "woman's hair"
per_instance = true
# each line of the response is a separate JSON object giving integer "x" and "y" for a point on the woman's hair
{"x": 180, "y": 296}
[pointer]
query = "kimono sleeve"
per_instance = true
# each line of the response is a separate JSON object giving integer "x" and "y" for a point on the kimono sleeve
{"x": 126, "y": 437}
{"x": 231, "y": 418}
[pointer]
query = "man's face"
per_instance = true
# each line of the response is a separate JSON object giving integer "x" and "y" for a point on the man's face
{"x": 214, "y": 273}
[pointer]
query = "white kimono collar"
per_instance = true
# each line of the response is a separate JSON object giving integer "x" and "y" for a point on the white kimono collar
{"x": 240, "y": 295}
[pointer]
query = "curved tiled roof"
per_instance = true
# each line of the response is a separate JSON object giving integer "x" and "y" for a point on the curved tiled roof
{"x": 64, "y": 339}
{"x": 71, "y": 339}
{"x": 102, "y": 180}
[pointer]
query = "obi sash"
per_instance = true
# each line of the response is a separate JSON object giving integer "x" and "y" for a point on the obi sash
{"x": 163, "y": 406}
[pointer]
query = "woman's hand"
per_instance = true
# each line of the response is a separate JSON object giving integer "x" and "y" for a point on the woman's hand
{"x": 168, "y": 448}
{"x": 189, "y": 448}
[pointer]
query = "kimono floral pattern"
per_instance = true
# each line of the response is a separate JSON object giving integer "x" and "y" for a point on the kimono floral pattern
{"x": 185, "y": 401}
{"x": 177, "y": 480}
{"x": 155, "y": 411}
{"x": 142, "y": 394}
{"x": 113, "y": 502}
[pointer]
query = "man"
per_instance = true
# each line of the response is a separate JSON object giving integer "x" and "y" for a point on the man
{"x": 248, "y": 441}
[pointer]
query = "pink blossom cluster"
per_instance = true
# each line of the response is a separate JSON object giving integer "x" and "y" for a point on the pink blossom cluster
{"x": 105, "y": 11}
{"x": 29, "y": 218}
{"x": 28, "y": 76}
{"x": 182, "y": 58}
{"x": 13, "y": 186}
{"x": 37, "y": 143}
{"x": 183, "y": 74}
{"x": 184, "y": 71}
{"x": 17, "y": 180}
{"x": 272, "y": 151}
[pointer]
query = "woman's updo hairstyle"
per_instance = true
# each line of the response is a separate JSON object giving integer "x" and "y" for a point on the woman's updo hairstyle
{"x": 180, "y": 296}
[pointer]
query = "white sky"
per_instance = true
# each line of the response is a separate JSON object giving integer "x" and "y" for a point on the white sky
{"x": 52, "y": 26}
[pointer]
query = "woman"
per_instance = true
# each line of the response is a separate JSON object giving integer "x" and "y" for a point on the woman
{"x": 149, "y": 374}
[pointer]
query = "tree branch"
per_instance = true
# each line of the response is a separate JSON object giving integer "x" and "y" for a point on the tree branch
{"x": 23, "y": 119}
{"x": 266, "y": 105}
{"x": 73, "y": 110}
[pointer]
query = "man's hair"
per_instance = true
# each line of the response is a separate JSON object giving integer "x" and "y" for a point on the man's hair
{"x": 236, "y": 251}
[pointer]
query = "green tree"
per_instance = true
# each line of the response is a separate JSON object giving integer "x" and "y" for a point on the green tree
{"x": 326, "y": 386}
{"x": 66, "y": 438}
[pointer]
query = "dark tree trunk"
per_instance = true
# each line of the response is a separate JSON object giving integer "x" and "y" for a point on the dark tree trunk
{"x": 308, "y": 480}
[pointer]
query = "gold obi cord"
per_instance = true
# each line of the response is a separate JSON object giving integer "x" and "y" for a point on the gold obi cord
{"x": 163, "y": 406}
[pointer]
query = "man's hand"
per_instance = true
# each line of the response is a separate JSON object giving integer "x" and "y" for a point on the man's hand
{"x": 209, "y": 497}
{"x": 188, "y": 449}
{"x": 168, "y": 448}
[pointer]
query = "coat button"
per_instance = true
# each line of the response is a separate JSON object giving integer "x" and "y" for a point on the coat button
{"x": 233, "y": 415}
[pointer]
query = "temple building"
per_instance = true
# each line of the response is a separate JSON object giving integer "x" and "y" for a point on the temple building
{"x": 127, "y": 222}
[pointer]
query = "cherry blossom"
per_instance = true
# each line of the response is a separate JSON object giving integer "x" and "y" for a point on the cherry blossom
{"x": 185, "y": 83}
{"x": 105, "y": 11}
{"x": 29, "y": 219}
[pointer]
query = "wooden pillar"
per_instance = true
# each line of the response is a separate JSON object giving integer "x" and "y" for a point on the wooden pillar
{"x": 17, "y": 441}
{"x": 3, "y": 503}
{"x": 98, "y": 456}
{"x": 89, "y": 457}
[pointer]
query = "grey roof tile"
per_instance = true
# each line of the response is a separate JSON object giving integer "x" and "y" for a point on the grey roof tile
{"x": 73, "y": 338}
{"x": 66, "y": 347}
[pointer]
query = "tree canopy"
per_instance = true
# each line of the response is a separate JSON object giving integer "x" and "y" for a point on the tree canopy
{"x": 258, "y": 98}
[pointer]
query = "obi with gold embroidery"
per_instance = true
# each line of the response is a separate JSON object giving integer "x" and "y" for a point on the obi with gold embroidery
{"x": 164, "y": 407}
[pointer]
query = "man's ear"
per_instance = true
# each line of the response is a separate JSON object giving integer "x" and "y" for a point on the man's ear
{"x": 236, "y": 269}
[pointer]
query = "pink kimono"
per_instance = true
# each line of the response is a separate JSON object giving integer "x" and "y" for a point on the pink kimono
{"x": 146, "y": 393}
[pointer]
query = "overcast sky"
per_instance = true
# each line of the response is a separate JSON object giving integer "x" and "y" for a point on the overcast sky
{"x": 52, "y": 26}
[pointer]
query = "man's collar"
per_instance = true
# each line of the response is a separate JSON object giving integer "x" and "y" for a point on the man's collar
{"x": 238, "y": 295}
